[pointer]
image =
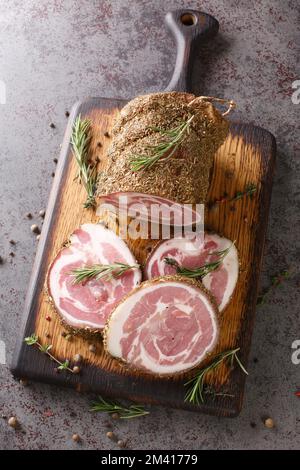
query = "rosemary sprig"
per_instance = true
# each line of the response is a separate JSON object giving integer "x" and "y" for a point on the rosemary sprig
{"x": 201, "y": 271}
{"x": 87, "y": 174}
{"x": 196, "y": 385}
{"x": 108, "y": 406}
{"x": 166, "y": 148}
{"x": 276, "y": 281}
{"x": 101, "y": 271}
{"x": 249, "y": 191}
{"x": 34, "y": 340}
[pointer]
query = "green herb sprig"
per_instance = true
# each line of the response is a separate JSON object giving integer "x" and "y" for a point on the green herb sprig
{"x": 196, "y": 385}
{"x": 101, "y": 271}
{"x": 201, "y": 271}
{"x": 45, "y": 349}
{"x": 276, "y": 281}
{"x": 125, "y": 412}
{"x": 87, "y": 174}
{"x": 166, "y": 148}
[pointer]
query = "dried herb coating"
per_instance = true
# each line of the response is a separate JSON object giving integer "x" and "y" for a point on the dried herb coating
{"x": 185, "y": 177}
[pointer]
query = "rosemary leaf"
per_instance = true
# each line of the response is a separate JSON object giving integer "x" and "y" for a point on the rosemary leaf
{"x": 87, "y": 174}
{"x": 196, "y": 385}
{"x": 101, "y": 271}
{"x": 108, "y": 406}
{"x": 165, "y": 148}
{"x": 201, "y": 271}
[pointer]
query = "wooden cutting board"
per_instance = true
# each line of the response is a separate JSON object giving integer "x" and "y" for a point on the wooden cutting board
{"x": 247, "y": 156}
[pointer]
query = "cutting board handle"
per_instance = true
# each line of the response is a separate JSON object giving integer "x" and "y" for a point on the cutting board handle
{"x": 189, "y": 28}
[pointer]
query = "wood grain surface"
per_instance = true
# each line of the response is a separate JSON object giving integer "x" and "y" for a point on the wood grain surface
{"x": 247, "y": 156}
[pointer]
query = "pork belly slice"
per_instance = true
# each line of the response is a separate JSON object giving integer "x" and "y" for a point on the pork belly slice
{"x": 86, "y": 306}
{"x": 164, "y": 327}
{"x": 189, "y": 254}
{"x": 151, "y": 208}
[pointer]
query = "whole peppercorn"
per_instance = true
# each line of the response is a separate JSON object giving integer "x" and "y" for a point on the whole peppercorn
{"x": 42, "y": 213}
{"x": 115, "y": 416}
{"x": 29, "y": 215}
{"x": 67, "y": 114}
{"x": 76, "y": 370}
{"x": 52, "y": 174}
{"x": 76, "y": 437}
{"x": 77, "y": 358}
{"x": 110, "y": 435}
{"x": 12, "y": 242}
{"x": 52, "y": 125}
{"x": 121, "y": 443}
{"x": 11, "y": 254}
{"x": 92, "y": 348}
{"x": 35, "y": 229}
{"x": 106, "y": 134}
{"x": 12, "y": 421}
{"x": 55, "y": 160}
{"x": 269, "y": 423}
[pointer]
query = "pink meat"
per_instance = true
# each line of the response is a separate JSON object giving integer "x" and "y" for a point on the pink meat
{"x": 164, "y": 327}
{"x": 87, "y": 305}
{"x": 188, "y": 254}
{"x": 151, "y": 208}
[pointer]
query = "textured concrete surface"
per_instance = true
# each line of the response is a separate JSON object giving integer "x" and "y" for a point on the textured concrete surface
{"x": 55, "y": 52}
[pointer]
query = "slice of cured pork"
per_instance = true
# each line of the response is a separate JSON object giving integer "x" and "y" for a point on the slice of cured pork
{"x": 165, "y": 326}
{"x": 87, "y": 305}
{"x": 191, "y": 255}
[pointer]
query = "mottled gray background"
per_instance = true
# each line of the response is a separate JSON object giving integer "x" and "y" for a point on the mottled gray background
{"x": 54, "y": 52}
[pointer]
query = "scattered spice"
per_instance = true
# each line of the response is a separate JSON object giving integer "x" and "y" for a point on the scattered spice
{"x": 110, "y": 435}
{"x": 92, "y": 348}
{"x": 24, "y": 382}
{"x": 13, "y": 422}
{"x": 76, "y": 370}
{"x": 34, "y": 340}
{"x": 67, "y": 114}
{"x": 121, "y": 444}
{"x": 52, "y": 125}
{"x": 42, "y": 213}
{"x": 106, "y": 134}
{"x": 115, "y": 416}
{"x": 48, "y": 335}
{"x": 52, "y": 174}
{"x": 99, "y": 144}
{"x": 69, "y": 337}
{"x": 247, "y": 192}
{"x": 108, "y": 406}
{"x": 48, "y": 318}
{"x": 77, "y": 358}
{"x": 12, "y": 242}
{"x": 35, "y": 229}
{"x": 252, "y": 424}
{"x": 276, "y": 281}
{"x": 11, "y": 254}
{"x": 64, "y": 334}
{"x": 76, "y": 438}
{"x": 29, "y": 215}
{"x": 55, "y": 160}
{"x": 269, "y": 423}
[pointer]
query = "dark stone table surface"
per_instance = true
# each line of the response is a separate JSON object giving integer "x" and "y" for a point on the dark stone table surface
{"x": 55, "y": 52}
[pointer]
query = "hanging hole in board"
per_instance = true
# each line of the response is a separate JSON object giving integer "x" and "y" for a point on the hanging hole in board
{"x": 188, "y": 19}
